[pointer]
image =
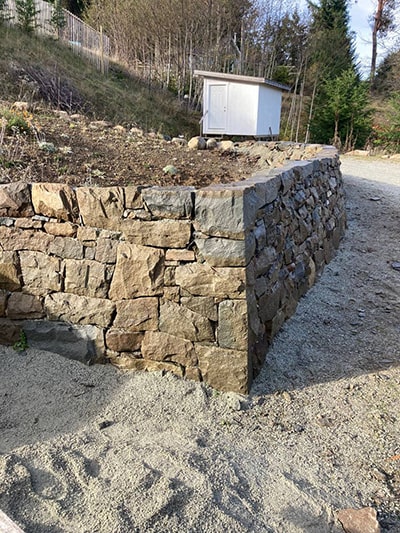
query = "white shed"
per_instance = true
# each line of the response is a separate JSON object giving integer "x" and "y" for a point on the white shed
{"x": 240, "y": 105}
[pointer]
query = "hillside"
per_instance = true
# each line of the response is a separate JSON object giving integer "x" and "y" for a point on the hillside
{"x": 38, "y": 69}
{"x": 84, "y": 128}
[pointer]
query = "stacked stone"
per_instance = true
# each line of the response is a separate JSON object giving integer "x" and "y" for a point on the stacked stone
{"x": 296, "y": 232}
{"x": 192, "y": 281}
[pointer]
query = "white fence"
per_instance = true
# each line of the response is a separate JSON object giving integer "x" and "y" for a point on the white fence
{"x": 83, "y": 39}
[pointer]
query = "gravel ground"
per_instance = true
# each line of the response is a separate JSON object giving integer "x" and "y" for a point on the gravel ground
{"x": 96, "y": 450}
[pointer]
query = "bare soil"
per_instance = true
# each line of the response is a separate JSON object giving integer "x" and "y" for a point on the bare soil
{"x": 85, "y": 152}
{"x": 92, "y": 449}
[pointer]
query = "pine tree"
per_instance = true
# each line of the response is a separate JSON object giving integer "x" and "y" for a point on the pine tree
{"x": 331, "y": 41}
{"x": 337, "y": 84}
{"x": 26, "y": 14}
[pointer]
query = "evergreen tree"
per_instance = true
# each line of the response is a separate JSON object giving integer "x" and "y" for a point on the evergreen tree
{"x": 339, "y": 112}
{"x": 344, "y": 119}
{"x": 331, "y": 41}
{"x": 26, "y": 14}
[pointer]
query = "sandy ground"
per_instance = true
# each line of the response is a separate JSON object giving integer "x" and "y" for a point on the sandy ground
{"x": 91, "y": 449}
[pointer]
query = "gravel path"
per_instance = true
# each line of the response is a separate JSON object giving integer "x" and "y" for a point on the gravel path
{"x": 95, "y": 450}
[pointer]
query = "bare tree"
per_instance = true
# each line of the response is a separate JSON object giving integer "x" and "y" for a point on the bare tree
{"x": 382, "y": 23}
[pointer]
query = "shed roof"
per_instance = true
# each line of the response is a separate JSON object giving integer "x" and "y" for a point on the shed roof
{"x": 243, "y": 79}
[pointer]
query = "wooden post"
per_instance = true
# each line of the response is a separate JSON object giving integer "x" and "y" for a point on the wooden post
{"x": 101, "y": 51}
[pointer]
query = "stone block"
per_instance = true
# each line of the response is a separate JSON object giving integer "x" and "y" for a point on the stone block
{"x": 28, "y": 223}
{"x": 79, "y": 310}
{"x": 23, "y": 306}
{"x": 219, "y": 212}
{"x": 269, "y": 303}
{"x": 180, "y": 256}
{"x": 123, "y": 341}
{"x": 41, "y": 274}
{"x": 66, "y": 248}
{"x": 101, "y": 207}
{"x": 221, "y": 252}
{"x": 15, "y": 200}
{"x": 159, "y": 233}
{"x": 133, "y": 198}
{"x": 202, "y": 305}
{"x": 106, "y": 251}
{"x": 13, "y": 239}
{"x": 140, "y": 314}
{"x": 63, "y": 229}
{"x": 86, "y": 278}
{"x": 9, "y": 278}
{"x": 82, "y": 343}
{"x": 160, "y": 346}
{"x": 200, "y": 279}
{"x": 169, "y": 202}
{"x": 232, "y": 331}
{"x": 10, "y": 331}
{"x": 182, "y": 322}
{"x": 55, "y": 200}
{"x": 139, "y": 272}
{"x": 359, "y": 520}
{"x": 127, "y": 362}
{"x": 223, "y": 369}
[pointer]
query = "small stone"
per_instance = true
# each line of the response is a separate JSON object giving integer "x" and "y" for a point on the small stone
{"x": 197, "y": 143}
{"x": 359, "y": 520}
{"x": 171, "y": 170}
{"x": 396, "y": 265}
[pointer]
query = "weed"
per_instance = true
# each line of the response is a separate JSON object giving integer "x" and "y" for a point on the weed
{"x": 22, "y": 344}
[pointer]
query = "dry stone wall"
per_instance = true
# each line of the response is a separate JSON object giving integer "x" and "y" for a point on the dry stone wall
{"x": 196, "y": 282}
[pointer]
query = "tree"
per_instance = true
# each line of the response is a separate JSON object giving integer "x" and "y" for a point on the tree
{"x": 26, "y": 14}
{"x": 331, "y": 54}
{"x": 345, "y": 118}
{"x": 383, "y": 22}
{"x": 58, "y": 19}
{"x": 332, "y": 43}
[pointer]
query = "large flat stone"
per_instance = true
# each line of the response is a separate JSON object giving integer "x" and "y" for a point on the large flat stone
{"x": 224, "y": 369}
{"x": 200, "y": 279}
{"x": 79, "y": 310}
{"x": 13, "y": 239}
{"x": 66, "y": 247}
{"x": 22, "y": 306}
{"x": 10, "y": 331}
{"x": 123, "y": 341}
{"x": 15, "y": 200}
{"x": 41, "y": 274}
{"x": 82, "y": 343}
{"x": 140, "y": 314}
{"x": 202, "y": 305}
{"x": 169, "y": 202}
{"x": 139, "y": 272}
{"x": 160, "y": 346}
{"x": 226, "y": 210}
{"x": 166, "y": 233}
{"x": 9, "y": 278}
{"x": 221, "y": 252}
{"x": 54, "y": 200}
{"x": 101, "y": 207}
{"x": 182, "y": 322}
{"x": 232, "y": 329}
{"x": 86, "y": 278}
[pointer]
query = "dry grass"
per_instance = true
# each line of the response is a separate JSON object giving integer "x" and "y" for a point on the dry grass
{"x": 40, "y": 69}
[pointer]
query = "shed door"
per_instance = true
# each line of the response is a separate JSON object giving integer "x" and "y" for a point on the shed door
{"x": 217, "y": 105}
